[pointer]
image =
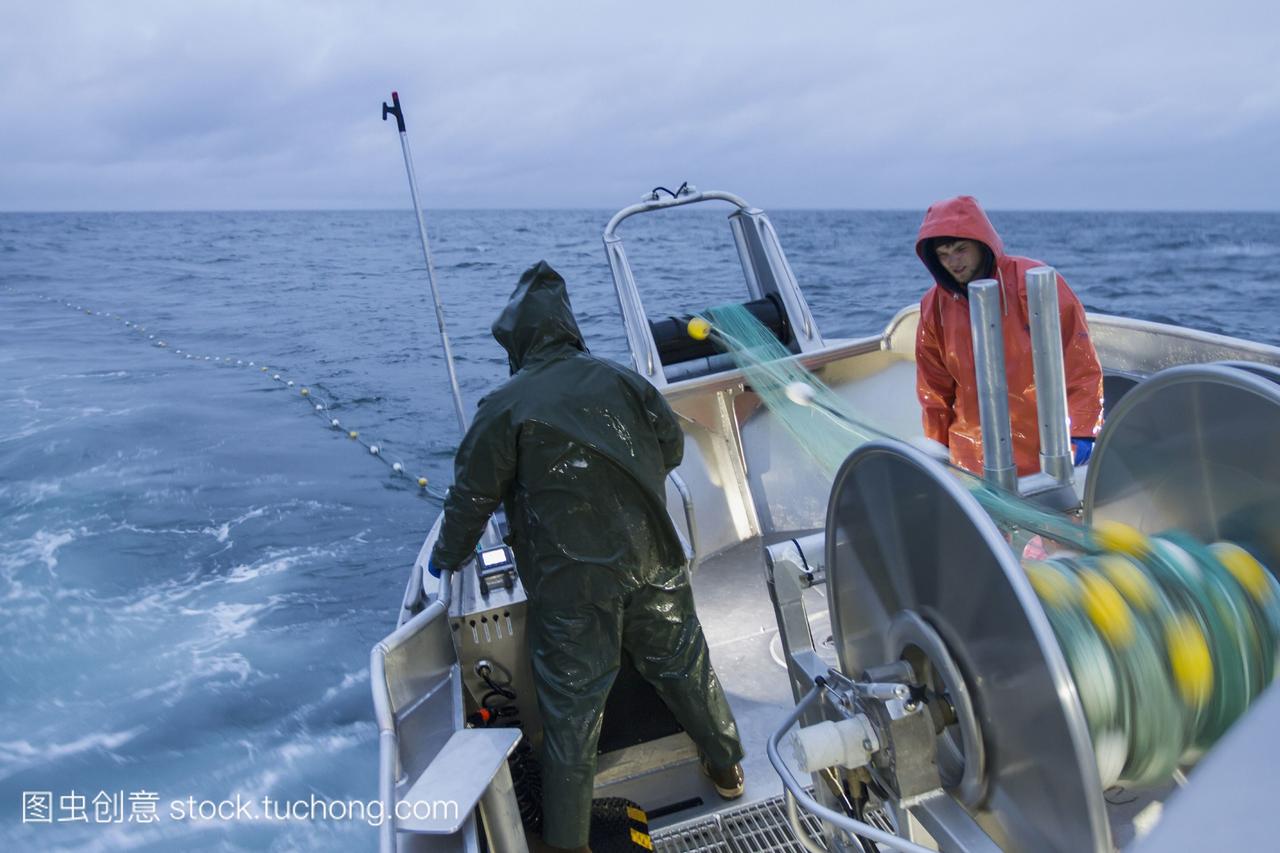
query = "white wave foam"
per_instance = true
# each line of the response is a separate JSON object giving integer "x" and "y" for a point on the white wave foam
{"x": 17, "y": 755}
{"x": 230, "y": 621}
{"x": 234, "y": 663}
{"x": 111, "y": 374}
{"x": 222, "y": 531}
{"x": 289, "y": 756}
{"x": 348, "y": 681}
{"x": 203, "y": 666}
{"x": 41, "y": 547}
{"x": 48, "y": 544}
{"x": 1245, "y": 250}
{"x": 244, "y": 572}
{"x": 30, "y": 491}
{"x": 36, "y": 427}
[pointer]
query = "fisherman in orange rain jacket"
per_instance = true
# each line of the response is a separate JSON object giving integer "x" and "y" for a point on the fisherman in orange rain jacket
{"x": 959, "y": 245}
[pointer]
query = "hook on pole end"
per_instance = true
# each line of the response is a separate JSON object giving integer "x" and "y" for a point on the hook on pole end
{"x": 394, "y": 110}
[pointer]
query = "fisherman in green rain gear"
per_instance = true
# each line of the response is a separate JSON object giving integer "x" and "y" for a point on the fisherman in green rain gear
{"x": 576, "y": 449}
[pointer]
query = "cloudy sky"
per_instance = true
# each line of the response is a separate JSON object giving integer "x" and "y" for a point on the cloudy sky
{"x": 213, "y": 104}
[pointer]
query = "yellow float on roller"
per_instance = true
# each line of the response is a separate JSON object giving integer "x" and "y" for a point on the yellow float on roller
{"x": 1244, "y": 568}
{"x": 1051, "y": 586}
{"x": 699, "y": 329}
{"x": 1106, "y": 609}
{"x": 1129, "y": 579}
{"x": 1189, "y": 658}
{"x": 1115, "y": 536}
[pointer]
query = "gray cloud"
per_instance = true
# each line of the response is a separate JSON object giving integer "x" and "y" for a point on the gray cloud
{"x": 205, "y": 104}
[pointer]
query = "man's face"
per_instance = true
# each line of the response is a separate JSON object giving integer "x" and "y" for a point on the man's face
{"x": 961, "y": 258}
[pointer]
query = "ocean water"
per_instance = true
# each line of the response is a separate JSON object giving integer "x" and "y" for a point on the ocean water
{"x": 193, "y": 567}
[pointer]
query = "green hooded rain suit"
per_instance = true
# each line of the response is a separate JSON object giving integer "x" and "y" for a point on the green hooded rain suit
{"x": 577, "y": 449}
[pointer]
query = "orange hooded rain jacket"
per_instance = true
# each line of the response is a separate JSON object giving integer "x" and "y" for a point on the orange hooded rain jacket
{"x": 945, "y": 377}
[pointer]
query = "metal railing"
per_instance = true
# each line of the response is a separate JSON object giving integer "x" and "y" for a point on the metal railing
{"x": 385, "y": 704}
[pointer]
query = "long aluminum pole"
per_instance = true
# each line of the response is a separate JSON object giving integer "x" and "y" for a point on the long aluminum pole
{"x": 993, "y": 386}
{"x": 491, "y": 535}
{"x": 1050, "y": 373}
{"x": 426, "y": 254}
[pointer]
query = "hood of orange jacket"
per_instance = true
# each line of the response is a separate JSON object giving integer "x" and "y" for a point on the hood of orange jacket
{"x": 960, "y": 217}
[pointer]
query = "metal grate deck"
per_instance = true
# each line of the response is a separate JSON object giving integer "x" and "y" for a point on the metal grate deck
{"x": 754, "y": 828}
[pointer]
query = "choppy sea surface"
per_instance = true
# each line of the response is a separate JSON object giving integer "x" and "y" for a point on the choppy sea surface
{"x": 193, "y": 567}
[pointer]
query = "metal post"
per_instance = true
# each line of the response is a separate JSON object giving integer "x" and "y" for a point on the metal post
{"x": 1050, "y": 374}
{"x": 993, "y": 387}
{"x": 491, "y": 535}
{"x": 388, "y": 763}
{"x": 501, "y": 814}
{"x": 426, "y": 254}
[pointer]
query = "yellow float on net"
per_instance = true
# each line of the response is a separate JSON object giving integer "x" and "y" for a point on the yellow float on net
{"x": 1051, "y": 586}
{"x": 1129, "y": 579}
{"x": 698, "y": 329}
{"x": 1106, "y": 609}
{"x": 1189, "y": 658}
{"x": 1244, "y": 568}
{"x": 1115, "y": 536}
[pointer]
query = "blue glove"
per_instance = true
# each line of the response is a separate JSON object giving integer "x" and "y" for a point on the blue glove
{"x": 1083, "y": 448}
{"x": 434, "y": 568}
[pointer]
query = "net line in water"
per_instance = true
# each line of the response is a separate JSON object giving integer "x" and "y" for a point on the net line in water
{"x": 1167, "y": 641}
{"x": 316, "y": 405}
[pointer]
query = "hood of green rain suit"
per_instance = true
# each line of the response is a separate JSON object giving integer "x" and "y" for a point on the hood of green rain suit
{"x": 576, "y": 448}
{"x": 538, "y": 321}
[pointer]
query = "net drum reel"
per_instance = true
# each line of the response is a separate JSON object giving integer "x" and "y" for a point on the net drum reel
{"x": 917, "y": 570}
{"x": 1031, "y": 715}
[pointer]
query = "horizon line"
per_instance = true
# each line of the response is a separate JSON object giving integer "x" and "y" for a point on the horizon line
{"x": 801, "y": 209}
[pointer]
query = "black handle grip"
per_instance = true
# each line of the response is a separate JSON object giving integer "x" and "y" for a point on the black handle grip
{"x": 394, "y": 110}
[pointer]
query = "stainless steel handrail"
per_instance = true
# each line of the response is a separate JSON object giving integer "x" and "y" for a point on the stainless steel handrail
{"x": 657, "y": 204}
{"x": 644, "y": 351}
{"x": 689, "y": 522}
{"x": 388, "y": 740}
{"x": 993, "y": 385}
{"x": 1050, "y": 374}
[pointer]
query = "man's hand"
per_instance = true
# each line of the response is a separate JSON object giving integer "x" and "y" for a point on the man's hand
{"x": 1082, "y": 449}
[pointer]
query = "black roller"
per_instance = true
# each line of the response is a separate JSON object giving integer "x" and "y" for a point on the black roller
{"x": 671, "y": 335}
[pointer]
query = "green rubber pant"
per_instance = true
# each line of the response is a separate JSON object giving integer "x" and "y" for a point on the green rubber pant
{"x": 576, "y": 653}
